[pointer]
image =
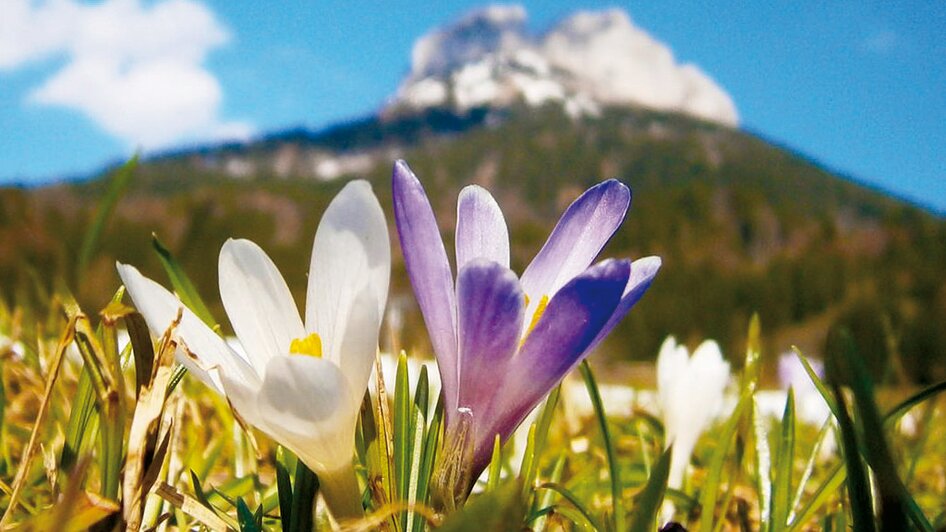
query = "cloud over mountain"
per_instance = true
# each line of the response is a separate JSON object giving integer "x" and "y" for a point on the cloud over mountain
{"x": 590, "y": 59}
{"x": 134, "y": 68}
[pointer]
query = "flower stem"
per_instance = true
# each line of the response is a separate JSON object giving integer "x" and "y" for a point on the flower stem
{"x": 341, "y": 492}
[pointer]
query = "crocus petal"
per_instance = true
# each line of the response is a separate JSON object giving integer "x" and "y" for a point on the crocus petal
{"x": 305, "y": 404}
{"x": 481, "y": 228}
{"x": 672, "y": 364}
{"x": 258, "y": 302}
{"x": 160, "y": 308}
{"x": 348, "y": 281}
{"x": 490, "y": 315}
{"x": 643, "y": 272}
{"x": 582, "y": 231}
{"x": 358, "y": 345}
{"x": 690, "y": 392}
{"x": 429, "y": 271}
{"x": 562, "y": 335}
{"x": 710, "y": 375}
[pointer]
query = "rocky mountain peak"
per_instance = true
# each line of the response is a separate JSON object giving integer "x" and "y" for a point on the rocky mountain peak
{"x": 588, "y": 60}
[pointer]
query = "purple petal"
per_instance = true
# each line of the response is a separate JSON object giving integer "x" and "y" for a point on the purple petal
{"x": 570, "y": 323}
{"x": 429, "y": 271}
{"x": 643, "y": 272}
{"x": 582, "y": 231}
{"x": 481, "y": 228}
{"x": 490, "y": 311}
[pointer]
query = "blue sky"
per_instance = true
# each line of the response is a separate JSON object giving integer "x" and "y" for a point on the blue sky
{"x": 859, "y": 86}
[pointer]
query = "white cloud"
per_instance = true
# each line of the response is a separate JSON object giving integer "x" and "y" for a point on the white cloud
{"x": 134, "y": 68}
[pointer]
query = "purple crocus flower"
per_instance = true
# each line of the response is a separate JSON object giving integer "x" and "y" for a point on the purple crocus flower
{"x": 503, "y": 342}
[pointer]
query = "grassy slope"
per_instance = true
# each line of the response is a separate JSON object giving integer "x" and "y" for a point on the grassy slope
{"x": 741, "y": 225}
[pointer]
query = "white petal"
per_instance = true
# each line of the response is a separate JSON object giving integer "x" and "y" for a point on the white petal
{"x": 358, "y": 347}
{"x": 481, "y": 229}
{"x": 258, "y": 302}
{"x": 305, "y": 404}
{"x": 671, "y": 365}
{"x": 160, "y": 308}
{"x": 351, "y": 261}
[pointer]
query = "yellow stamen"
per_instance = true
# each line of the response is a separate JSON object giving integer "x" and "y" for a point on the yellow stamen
{"x": 310, "y": 345}
{"x": 540, "y": 309}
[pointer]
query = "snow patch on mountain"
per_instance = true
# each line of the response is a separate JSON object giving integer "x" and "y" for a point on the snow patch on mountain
{"x": 589, "y": 60}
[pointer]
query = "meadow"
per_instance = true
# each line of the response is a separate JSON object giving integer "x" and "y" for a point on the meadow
{"x": 102, "y": 427}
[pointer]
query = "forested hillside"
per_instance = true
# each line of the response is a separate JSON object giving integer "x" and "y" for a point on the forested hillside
{"x": 741, "y": 225}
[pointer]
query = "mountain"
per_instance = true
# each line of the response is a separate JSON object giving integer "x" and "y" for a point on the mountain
{"x": 588, "y": 60}
{"x": 742, "y": 225}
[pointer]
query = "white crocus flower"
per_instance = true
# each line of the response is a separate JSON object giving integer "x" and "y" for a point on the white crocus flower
{"x": 690, "y": 393}
{"x": 302, "y": 384}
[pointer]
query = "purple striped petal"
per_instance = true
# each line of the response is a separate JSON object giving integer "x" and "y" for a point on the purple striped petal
{"x": 481, "y": 228}
{"x": 490, "y": 311}
{"x": 570, "y": 323}
{"x": 429, "y": 271}
{"x": 582, "y": 231}
{"x": 643, "y": 272}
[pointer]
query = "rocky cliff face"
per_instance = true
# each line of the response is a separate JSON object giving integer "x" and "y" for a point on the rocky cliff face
{"x": 587, "y": 61}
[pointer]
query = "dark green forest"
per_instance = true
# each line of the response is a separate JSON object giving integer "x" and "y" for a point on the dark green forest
{"x": 743, "y": 226}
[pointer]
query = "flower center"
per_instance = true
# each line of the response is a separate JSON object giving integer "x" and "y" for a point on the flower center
{"x": 310, "y": 345}
{"x": 539, "y": 310}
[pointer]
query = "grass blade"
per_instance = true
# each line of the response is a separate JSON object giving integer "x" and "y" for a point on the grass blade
{"x": 116, "y": 187}
{"x": 710, "y": 490}
{"x": 284, "y": 487}
{"x": 403, "y": 435}
{"x": 858, "y": 486}
{"x": 575, "y": 502}
{"x": 649, "y": 500}
{"x": 304, "y": 490}
{"x": 182, "y": 284}
{"x": 896, "y": 504}
{"x": 495, "y": 465}
{"x": 617, "y": 504}
{"x": 246, "y": 518}
{"x": 907, "y": 404}
{"x": 782, "y": 483}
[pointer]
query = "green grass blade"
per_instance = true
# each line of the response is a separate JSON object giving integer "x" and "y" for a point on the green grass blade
{"x": 782, "y": 488}
{"x": 304, "y": 490}
{"x": 414, "y": 469}
{"x": 819, "y": 384}
{"x": 284, "y": 487}
{"x": 495, "y": 465}
{"x": 544, "y": 422}
{"x": 246, "y": 518}
{"x": 763, "y": 463}
{"x": 710, "y": 490}
{"x": 182, "y": 284}
{"x": 648, "y": 502}
{"x": 116, "y": 187}
{"x": 83, "y": 407}
{"x": 752, "y": 368}
{"x": 419, "y": 429}
{"x": 809, "y": 468}
{"x": 431, "y": 445}
{"x": 575, "y": 502}
{"x": 858, "y": 486}
{"x": 820, "y": 497}
{"x": 907, "y": 404}
{"x": 545, "y": 499}
{"x": 403, "y": 435}
{"x": 617, "y": 504}
{"x": 896, "y": 504}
